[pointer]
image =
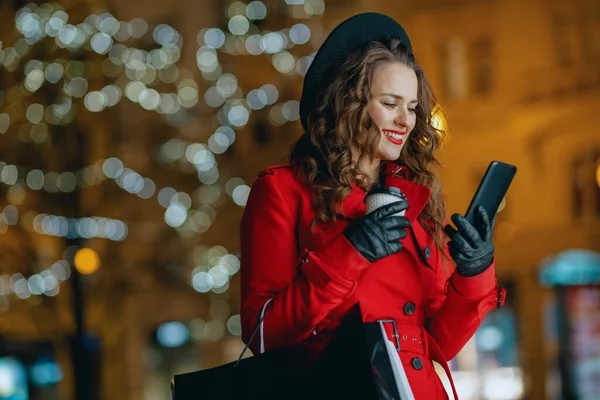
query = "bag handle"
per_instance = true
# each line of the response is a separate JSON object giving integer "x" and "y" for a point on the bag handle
{"x": 262, "y": 317}
{"x": 256, "y": 330}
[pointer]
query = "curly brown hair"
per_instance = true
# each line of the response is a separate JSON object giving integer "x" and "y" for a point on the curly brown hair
{"x": 323, "y": 158}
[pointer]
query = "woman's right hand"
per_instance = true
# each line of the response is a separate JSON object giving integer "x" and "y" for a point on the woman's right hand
{"x": 378, "y": 234}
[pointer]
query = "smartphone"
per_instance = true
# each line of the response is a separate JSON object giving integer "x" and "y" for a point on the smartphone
{"x": 491, "y": 190}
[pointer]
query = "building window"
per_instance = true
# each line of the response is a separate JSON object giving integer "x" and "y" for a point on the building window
{"x": 597, "y": 184}
{"x": 566, "y": 33}
{"x": 482, "y": 65}
{"x": 585, "y": 173}
{"x": 466, "y": 68}
{"x": 454, "y": 69}
{"x": 594, "y": 31}
{"x": 578, "y": 185}
{"x": 586, "y": 24}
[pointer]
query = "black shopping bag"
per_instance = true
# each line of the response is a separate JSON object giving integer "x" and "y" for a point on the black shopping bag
{"x": 357, "y": 364}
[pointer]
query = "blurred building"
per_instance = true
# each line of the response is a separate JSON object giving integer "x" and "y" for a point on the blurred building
{"x": 519, "y": 82}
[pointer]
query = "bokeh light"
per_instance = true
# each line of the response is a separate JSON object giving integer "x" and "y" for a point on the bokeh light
{"x": 87, "y": 261}
{"x": 142, "y": 76}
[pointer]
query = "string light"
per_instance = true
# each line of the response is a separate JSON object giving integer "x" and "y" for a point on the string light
{"x": 215, "y": 269}
{"x": 101, "y": 33}
{"x": 85, "y": 228}
{"x": 142, "y": 70}
{"x": 129, "y": 180}
{"x": 142, "y": 67}
{"x": 45, "y": 282}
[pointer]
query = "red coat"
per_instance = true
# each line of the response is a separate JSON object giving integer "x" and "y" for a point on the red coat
{"x": 309, "y": 279}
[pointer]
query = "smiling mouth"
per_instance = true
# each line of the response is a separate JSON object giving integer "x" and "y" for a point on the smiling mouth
{"x": 394, "y": 137}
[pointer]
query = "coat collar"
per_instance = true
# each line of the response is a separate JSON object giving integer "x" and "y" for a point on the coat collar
{"x": 401, "y": 177}
{"x": 396, "y": 175}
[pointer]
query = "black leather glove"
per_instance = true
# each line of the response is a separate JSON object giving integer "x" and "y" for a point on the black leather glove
{"x": 378, "y": 234}
{"x": 471, "y": 246}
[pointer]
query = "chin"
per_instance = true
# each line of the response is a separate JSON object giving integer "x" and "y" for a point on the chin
{"x": 390, "y": 154}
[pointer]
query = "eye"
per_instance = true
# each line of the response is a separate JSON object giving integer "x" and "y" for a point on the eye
{"x": 390, "y": 105}
{"x": 412, "y": 110}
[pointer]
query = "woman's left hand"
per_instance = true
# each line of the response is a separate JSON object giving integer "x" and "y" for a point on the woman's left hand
{"x": 471, "y": 246}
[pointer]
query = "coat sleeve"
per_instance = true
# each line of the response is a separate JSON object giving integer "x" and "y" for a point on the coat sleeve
{"x": 457, "y": 305}
{"x": 293, "y": 293}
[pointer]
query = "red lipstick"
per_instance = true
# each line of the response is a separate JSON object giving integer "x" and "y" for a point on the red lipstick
{"x": 394, "y": 140}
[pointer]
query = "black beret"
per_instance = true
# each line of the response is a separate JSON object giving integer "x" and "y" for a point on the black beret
{"x": 351, "y": 35}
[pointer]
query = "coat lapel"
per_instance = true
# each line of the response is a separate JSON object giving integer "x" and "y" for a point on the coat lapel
{"x": 418, "y": 195}
{"x": 353, "y": 206}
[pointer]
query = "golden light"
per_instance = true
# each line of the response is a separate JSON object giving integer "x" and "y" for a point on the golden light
{"x": 598, "y": 175}
{"x": 439, "y": 122}
{"x": 87, "y": 261}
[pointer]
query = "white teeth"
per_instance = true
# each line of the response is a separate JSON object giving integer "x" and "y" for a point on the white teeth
{"x": 393, "y": 135}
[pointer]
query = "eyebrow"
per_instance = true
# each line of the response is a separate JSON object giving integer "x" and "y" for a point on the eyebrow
{"x": 397, "y": 96}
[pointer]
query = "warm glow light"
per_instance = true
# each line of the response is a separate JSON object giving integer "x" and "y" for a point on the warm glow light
{"x": 598, "y": 175}
{"x": 87, "y": 261}
{"x": 439, "y": 122}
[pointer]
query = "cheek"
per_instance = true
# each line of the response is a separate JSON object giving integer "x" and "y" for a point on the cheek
{"x": 377, "y": 115}
{"x": 413, "y": 122}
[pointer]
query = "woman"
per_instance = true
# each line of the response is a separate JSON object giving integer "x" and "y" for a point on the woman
{"x": 309, "y": 251}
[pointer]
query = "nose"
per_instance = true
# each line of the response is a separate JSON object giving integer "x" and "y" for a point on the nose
{"x": 401, "y": 118}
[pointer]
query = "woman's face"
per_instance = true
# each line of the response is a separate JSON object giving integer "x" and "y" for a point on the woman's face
{"x": 392, "y": 109}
